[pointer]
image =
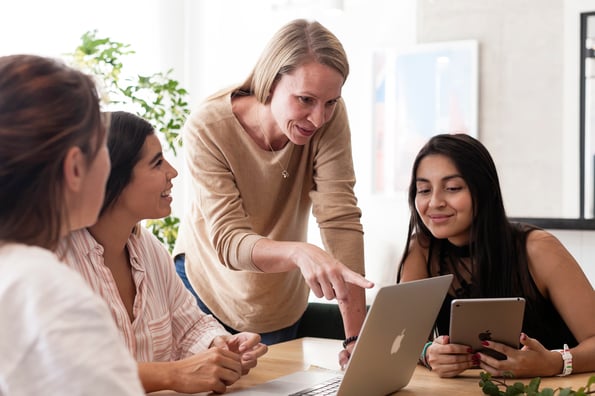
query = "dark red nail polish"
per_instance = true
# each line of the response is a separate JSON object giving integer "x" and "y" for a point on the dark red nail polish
{"x": 485, "y": 343}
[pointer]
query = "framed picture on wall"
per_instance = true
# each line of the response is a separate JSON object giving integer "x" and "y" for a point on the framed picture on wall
{"x": 429, "y": 89}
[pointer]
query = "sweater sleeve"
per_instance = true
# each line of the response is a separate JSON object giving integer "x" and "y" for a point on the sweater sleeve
{"x": 334, "y": 201}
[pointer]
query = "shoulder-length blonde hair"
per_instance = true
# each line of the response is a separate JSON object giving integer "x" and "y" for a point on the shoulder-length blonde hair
{"x": 298, "y": 42}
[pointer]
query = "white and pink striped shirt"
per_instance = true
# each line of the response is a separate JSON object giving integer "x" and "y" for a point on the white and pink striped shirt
{"x": 168, "y": 325}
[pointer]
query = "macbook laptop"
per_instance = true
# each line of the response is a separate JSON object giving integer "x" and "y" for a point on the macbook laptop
{"x": 385, "y": 356}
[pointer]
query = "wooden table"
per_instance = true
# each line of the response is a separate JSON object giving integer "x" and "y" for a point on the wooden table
{"x": 303, "y": 353}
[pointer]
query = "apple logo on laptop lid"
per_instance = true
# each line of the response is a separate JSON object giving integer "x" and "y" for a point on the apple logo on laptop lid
{"x": 397, "y": 342}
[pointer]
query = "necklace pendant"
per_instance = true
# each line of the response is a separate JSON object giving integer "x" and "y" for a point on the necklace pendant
{"x": 285, "y": 174}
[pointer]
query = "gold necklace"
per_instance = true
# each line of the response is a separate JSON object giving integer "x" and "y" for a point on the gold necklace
{"x": 284, "y": 172}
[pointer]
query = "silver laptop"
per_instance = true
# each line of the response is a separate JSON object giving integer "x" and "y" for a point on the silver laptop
{"x": 397, "y": 325}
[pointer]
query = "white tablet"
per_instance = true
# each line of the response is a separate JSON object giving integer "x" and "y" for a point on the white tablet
{"x": 474, "y": 320}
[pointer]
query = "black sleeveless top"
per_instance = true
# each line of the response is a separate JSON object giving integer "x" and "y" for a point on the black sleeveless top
{"x": 541, "y": 320}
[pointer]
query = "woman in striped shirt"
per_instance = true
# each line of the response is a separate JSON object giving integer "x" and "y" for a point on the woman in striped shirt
{"x": 176, "y": 345}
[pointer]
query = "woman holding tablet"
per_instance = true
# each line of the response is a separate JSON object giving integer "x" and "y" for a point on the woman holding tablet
{"x": 458, "y": 226}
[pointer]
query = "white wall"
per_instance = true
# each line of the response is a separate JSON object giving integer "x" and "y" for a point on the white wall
{"x": 581, "y": 245}
{"x": 53, "y": 28}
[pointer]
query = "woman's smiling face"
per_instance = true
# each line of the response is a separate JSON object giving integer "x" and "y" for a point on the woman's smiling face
{"x": 148, "y": 195}
{"x": 304, "y": 100}
{"x": 443, "y": 200}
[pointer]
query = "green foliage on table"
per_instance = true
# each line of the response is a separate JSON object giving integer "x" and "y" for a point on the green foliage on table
{"x": 158, "y": 98}
{"x": 496, "y": 387}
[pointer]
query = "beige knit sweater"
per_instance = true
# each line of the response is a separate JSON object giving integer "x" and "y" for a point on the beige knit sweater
{"x": 238, "y": 196}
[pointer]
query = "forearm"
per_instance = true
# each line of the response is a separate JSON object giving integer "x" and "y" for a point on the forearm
{"x": 274, "y": 256}
{"x": 353, "y": 310}
{"x": 155, "y": 376}
{"x": 583, "y": 356}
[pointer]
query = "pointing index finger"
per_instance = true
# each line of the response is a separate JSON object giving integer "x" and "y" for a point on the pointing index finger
{"x": 356, "y": 279}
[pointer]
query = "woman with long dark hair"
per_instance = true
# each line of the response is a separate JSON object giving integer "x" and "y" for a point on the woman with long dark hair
{"x": 459, "y": 226}
{"x": 176, "y": 345}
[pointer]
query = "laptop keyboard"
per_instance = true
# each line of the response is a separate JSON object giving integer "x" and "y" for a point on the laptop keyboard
{"x": 328, "y": 387}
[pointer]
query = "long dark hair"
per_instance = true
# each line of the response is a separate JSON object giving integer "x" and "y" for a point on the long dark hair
{"x": 127, "y": 135}
{"x": 46, "y": 108}
{"x": 497, "y": 248}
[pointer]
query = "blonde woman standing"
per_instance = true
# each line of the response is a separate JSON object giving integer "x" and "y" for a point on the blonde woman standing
{"x": 263, "y": 155}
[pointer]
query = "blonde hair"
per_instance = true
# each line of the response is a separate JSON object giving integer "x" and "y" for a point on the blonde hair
{"x": 298, "y": 42}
